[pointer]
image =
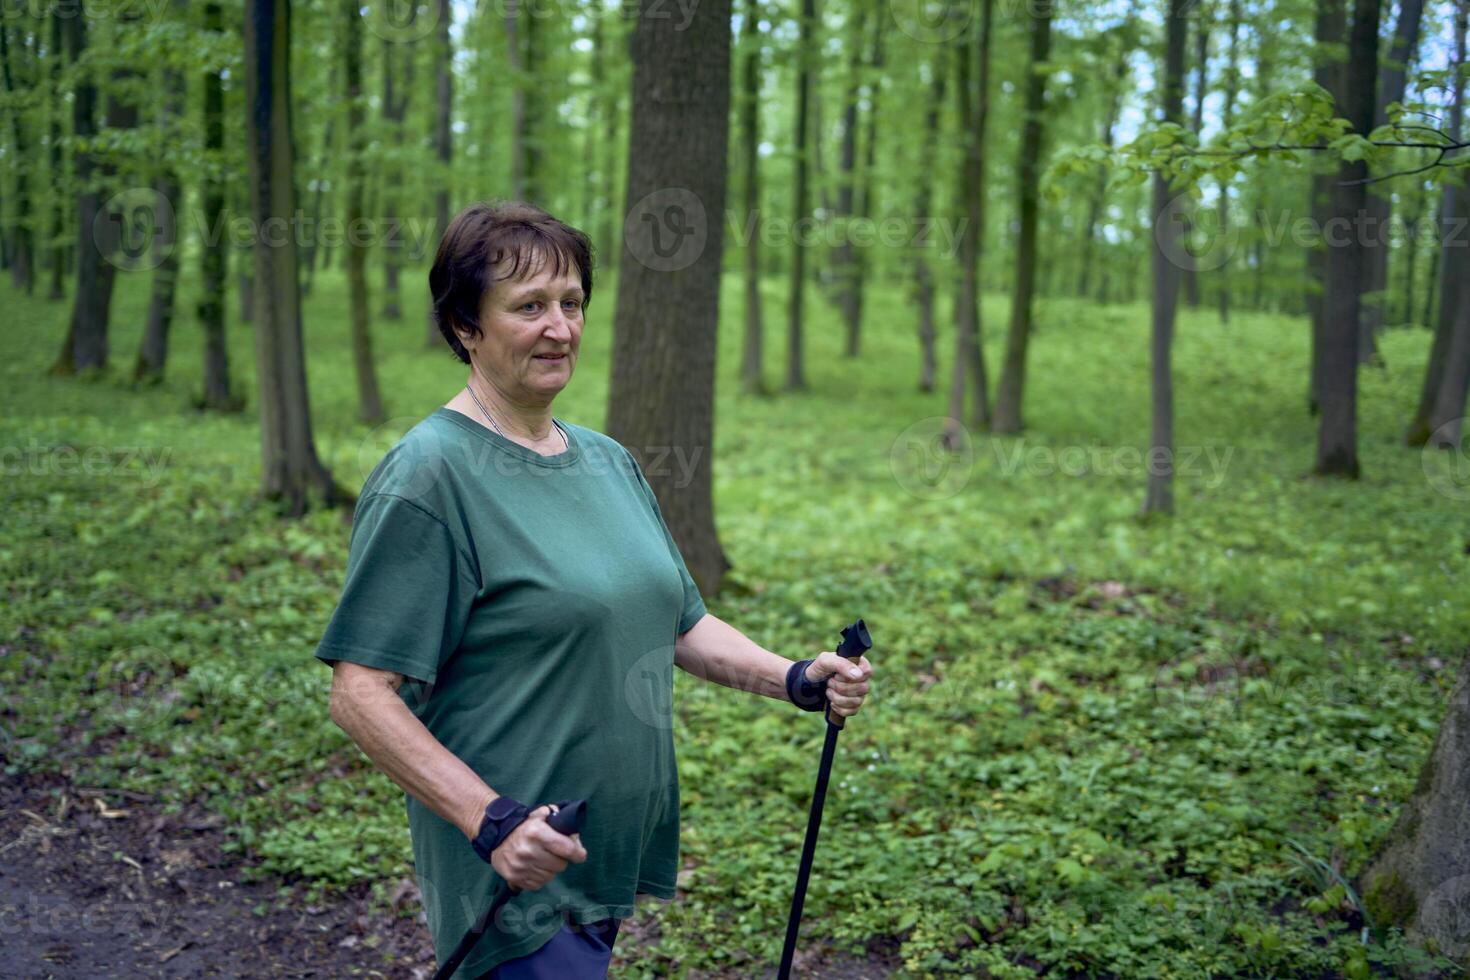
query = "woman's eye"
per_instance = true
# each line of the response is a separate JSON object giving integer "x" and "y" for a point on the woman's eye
{"x": 530, "y": 306}
{"x": 572, "y": 304}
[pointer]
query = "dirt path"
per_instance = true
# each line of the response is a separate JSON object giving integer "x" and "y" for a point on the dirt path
{"x": 94, "y": 885}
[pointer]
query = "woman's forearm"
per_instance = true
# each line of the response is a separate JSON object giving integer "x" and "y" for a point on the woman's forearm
{"x": 713, "y": 650}
{"x": 366, "y": 705}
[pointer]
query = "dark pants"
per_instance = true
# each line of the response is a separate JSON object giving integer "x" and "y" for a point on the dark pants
{"x": 579, "y": 951}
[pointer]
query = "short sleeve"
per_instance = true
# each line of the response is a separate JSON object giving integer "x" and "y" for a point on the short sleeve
{"x": 407, "y": 594}
{"x": 694, "y": 609}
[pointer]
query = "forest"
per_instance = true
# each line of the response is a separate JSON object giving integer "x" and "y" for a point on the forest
{"x": 1110, "y": 359}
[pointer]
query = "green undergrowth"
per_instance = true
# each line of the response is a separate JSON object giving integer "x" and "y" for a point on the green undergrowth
{"x": 1097, "y": 746}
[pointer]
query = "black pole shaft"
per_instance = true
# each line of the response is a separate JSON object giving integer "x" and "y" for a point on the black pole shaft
{"x": 808, "y": 850}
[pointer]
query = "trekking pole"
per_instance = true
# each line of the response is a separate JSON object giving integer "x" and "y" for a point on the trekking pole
{"x": 855, "y": 641}
{"x": 569, "y": 818}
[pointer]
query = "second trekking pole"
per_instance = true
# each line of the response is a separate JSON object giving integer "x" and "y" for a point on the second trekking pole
{"x": 855, "y": 641}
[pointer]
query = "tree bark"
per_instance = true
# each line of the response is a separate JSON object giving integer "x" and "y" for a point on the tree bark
{"x": 795, "y": 368}
{"x": 923, "y": 275}
{"x": 1159, "y": 498}
{"x": 291, "y": 473}
{"x": 844, "y": 262}
{"x": 974, "y": 110}
{"x": 1110, "y": 122}
{"x": 1331, "y": 29}
{"x": 153, "y": 351}
{"x": 1447, "y": 260}
{"x": 1013, "y": 369}
{"x": 1420, "y": 881}
{"x": 397, "y": 57}
{"x": 213, "y": 256}
{"x": 1394, "y": 74}
{"x": 59, "y": 215}
{"x": 23, "y": 258}
{"x": 752, "y": 379}
{"x": 863, "y": 201}
{"x": 661, "y": 394}
{"x": 1222, "y": 209}
{"x": 1197, "y": 123}
{"x": 369, "y": 400}
{"x": 1337, "y": 433}
{"x": 444, "y": 99}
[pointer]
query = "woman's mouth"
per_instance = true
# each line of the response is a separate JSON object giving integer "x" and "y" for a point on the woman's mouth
{"x": 550, "y": 357}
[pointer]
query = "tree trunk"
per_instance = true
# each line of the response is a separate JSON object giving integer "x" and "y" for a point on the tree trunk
{"x": 1110, "y": 122}
{"x": 153, "y": 351}
{"x": 1420, "y": 881}
{"x": 515, "y": 62}
{"x": 1394, "y": 74}
{"x": 844, "y": 262}
{"x": 313, "y": 248}
{"x": 1013, "y": 369}
{"x": 1232, "y": 87}
{"x": 923, "y": 275}
{"x": 974, "y": 109}
{"x": 1446, "y": 260}
{"x": 58, "y": 213}
{"x": 1201, "y": 82}
{"x": 291, "y": 473}
{"x": 1448, "y": 418}
{"x": 795, "y": 368}
{"x": 863, "y": 202}
{"x": 444, "y": 95}
{"x": 1337, "y": 433}
{"x": 213, "y": 256}
{"x": 1159, "y": 498}
{"x": 663, "y": 365}
{"x": 752, "y": 379}
{"x": 369, "y": 401}
{"x": 1331, "y": 30}
{"x": 397, "y": 58}
{"x": 23, "y": 259}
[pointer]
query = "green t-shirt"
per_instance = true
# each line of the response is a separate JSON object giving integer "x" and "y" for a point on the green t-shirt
{"x": 531, "y": 603}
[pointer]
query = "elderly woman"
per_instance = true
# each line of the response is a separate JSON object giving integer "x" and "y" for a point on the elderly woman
{"x": 512, "y": 612}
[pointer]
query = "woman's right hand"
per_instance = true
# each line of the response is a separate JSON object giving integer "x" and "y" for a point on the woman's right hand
{"x": 535, "y": 852}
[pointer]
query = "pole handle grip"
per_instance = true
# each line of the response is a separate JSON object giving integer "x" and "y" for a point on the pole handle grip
{"x": 855, "y": 642}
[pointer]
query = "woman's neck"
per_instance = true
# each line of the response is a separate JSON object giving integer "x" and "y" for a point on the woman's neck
{"x": 529, "y": 422}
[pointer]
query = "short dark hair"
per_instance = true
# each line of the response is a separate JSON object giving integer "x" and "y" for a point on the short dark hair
{"x": 504, "y": 239}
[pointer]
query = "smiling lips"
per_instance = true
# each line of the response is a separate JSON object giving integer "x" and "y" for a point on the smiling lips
{"x": 549, "y": 357}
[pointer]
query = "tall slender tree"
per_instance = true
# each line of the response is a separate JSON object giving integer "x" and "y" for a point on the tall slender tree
{"x": 213, "y": 256}
{"x": 795, "y": 366}
{"x": 663, "y": 360}
{"x": 291, "y": 473}
{"x": 1337, "y": 433}
{"x": 973, "y": 104}
{"x": 752, "y": 378}
{"x": 1013, "y": 369}
{"x": 369, "y": 400}
{"x": 1454, "y": 245}
{"x": 1159, "y": 498}
{"x": 923, "y": 274}
{"x": 443, "y": 145}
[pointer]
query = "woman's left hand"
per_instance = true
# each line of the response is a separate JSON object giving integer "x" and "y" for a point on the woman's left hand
{"x": 849, "y": 680}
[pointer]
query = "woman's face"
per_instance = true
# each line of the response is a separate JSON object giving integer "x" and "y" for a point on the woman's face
{"x": 524, "y": 321}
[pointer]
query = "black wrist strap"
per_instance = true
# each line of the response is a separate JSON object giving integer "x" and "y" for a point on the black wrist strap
{"x": 494, "y": 830}
{"x": 803, "y": 693}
